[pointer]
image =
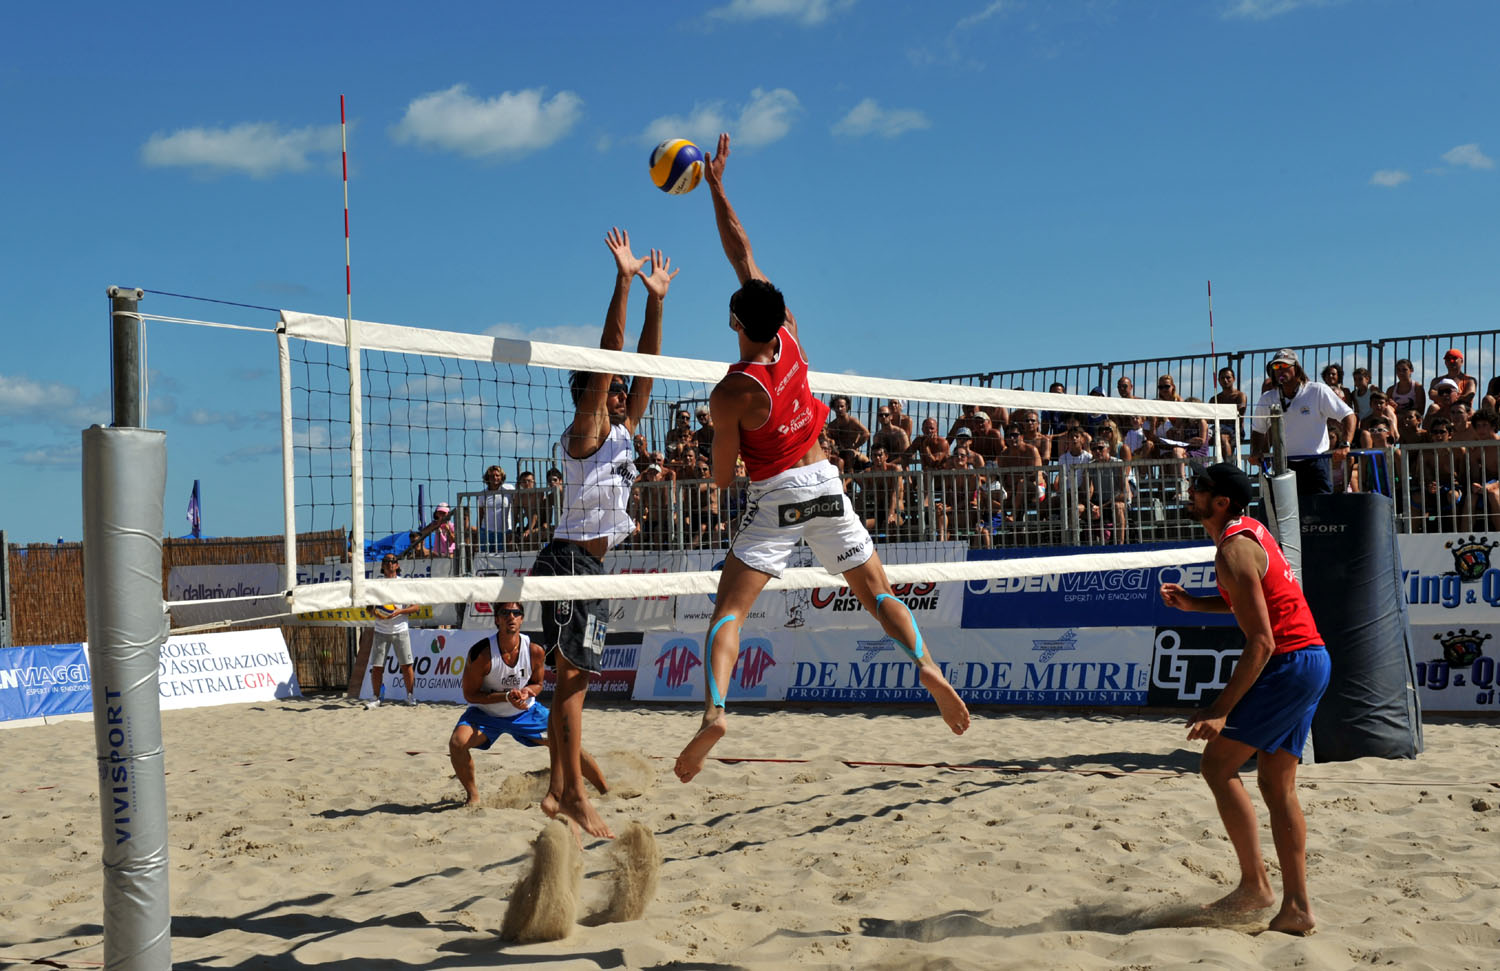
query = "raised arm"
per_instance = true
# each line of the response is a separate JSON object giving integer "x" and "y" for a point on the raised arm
{"x": 590, "y": 425}
{"x": 731, "y": 231}
{"x": 657, "y": 283}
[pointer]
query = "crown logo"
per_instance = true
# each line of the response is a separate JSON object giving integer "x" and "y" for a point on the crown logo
{"x": 1471, "y": 556}
{"x": 1461, "y": 648}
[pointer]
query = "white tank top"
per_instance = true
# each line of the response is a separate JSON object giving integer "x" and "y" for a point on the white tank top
{"x": 596, "y": 491}
{"x": 504, "y": 677}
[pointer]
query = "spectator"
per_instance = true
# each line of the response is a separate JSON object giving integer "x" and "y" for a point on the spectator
{"x": 1109, "y": 433}
{"x": 962, "y": 495}
{"x": 1306, "y": 407}
{"x": 704, "y": 524}
{"x": 1108, "y": 494}
{"x": 1491, "y": 400}
{"x": 848, "y": 433}
{"x": 441, "y": 531}
{"x": 391, "y": 633}
{"x": 1445, "y": 395}
{"x": 1361, "y": 393}
{"x": 681, "y": 432}
{"x": 529, "y": 514}
{"x": 1482, "y": 451}
{"x": 1228, "y": 393}
{"x": 1333, "y": 376}
{"x": 1095, "y": 419}
{"x": 1031, "y": 433}
{"x": 830, "y": 450}
{"x": 1072, "y": 461}
{"x": 1023, "y": 484}
{"x": 642, "y": 453}
{"x": 705, "y": 432}
{"x": 988, "y": 443}
{"x": 1435, "y": 486}
{"x": 966, "y": 419}
{"x": 899, "y": 418}
{"x": 494, "y": 512}
{"x": 1409, "y": 427}
{"x": 884, "y": 495}
{"x": 888, "y": 436}
{"x": 1053, "y": 422}
{"x": 931, "y": 448}
{"x": 1381, "y": 409}
{"x": 651, "y": 504}
{"x": 553, "y": 497}
{"x": 1467, "y": 386}
{"x": 1406, "y": 394}
{"x": 1135, "y": 436}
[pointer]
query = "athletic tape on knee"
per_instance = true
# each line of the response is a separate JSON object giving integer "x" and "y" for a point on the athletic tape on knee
{"x": 708, "y": 667}
{"x": 915, "y": 652}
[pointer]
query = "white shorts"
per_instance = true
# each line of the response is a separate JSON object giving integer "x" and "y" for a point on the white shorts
{"x": 399, "y": 643}
{"x": 803, "y": 503}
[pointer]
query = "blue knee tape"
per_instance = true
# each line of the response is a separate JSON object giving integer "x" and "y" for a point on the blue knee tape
{"x": 708, "y": 667}
{"x": 915, "y": 653}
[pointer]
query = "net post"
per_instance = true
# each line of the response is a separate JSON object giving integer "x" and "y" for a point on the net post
{"x": 356, "y": 468}
{"x": 124, "y": 480}
{"x": 288, "y": 459}
{"x": 125, "y": 355}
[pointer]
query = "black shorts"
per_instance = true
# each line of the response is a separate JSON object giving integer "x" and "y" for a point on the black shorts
{"x": 576, "y": 627}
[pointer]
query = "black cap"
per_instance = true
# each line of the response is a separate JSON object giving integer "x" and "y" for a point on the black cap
{"x": 1225, "y": 479}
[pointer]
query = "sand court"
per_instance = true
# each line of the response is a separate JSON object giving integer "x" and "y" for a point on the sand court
{"x": 314, "y": 834}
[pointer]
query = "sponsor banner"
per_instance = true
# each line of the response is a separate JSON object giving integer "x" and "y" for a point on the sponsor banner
{"x": 433, "y": 614}
{"x": 1456, "y": 666}
{"x": 218, "y": 581}
{"x": 1191, "y": 665}
{"x": 1103, "y": 598}
{"x": 440, "y": 656}
{"x": 198, "y": 670}
{"x": 934, "y": 605}
{"x": 1450, "y": 578}
{"x": 1045, "y": 667}
{"x": 671, "y": 668}
{"x": 625, "y": 616}
{"x": 36, "y": 682}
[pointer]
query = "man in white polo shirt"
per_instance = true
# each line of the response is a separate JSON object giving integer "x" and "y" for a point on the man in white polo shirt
{"x": 1308, "y": 406}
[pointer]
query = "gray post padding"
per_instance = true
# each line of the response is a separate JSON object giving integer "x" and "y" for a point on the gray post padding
{"x": 124, "y": 479}
{"x": 1283, "y": 509}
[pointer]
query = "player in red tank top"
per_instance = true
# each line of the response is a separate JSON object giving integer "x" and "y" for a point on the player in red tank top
{"x": 764, "y": 411}
{"x": 1266, "y": 709}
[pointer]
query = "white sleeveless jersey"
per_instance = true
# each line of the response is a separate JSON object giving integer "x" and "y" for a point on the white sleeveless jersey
{"x": 596, "y": 491}
{"x": 503, "y": 677}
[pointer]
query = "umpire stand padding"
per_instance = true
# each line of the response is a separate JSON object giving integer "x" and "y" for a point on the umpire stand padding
{"x": 1352, "y": 578}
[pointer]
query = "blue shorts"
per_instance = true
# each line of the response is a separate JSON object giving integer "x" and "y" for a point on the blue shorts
{"x": 527, "y": 728}
{"x": 1277, "y": 711}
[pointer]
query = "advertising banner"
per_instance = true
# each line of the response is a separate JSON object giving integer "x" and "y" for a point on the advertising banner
{"x": 223, "y": 580}
{"x": 1191, "y": 665}
{"x": 39, "y": 681}
{"x": 1048, "y": 667}
{"x": 1449, "y": 578}
{"x": 1106, "y": 598}
{"x": 418, "y": 566}
{"x": 226, "y": 668}
{"x": 440, "y": 656}
{"x": 1456, "y": 666}
{"x": 935, "y": 605}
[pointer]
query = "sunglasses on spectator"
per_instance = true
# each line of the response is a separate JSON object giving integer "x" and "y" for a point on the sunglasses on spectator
{"x": 1445, "y": 390}
{"x": 510, "y": 612}
{"x": 1101, "y": 446}
{"x": 882, "y": 414}
{"x": 618, "y": 387}
{"x": 1452, "y": 357}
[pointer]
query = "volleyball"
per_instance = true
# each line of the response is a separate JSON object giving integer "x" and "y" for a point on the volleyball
{"x": 676, "y": 166}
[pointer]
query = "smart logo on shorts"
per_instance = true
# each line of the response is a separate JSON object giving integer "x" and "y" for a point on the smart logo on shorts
{"x": 676, "y": 669}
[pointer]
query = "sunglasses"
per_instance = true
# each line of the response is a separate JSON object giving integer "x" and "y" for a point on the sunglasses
{"x": 1282, "y": 366}
{"x": 1165, "y": 384}
{"x": 1445, "y": 390}
{"x": 618, "y": 387}
{"x": 510, "y": 612}
{"x": 389, "y": 562}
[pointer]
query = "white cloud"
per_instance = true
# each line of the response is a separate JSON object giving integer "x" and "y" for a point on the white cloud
{"x": 809, "y": 13}
{"x": 1390, "y": 178}
{"x": 1266, "y": 9}
{"x": 257, "y": 149}
{"x": 765, "y": 118}
{"x": 509, "y": 124}
{"x": 868, "y": 118}
{"x": 20, "y": 395}
{"x": 1469, "y": 156}
{"x": 61, "y": 455}
{"x": 993, "y": 9}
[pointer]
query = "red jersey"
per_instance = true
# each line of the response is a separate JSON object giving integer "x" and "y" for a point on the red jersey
{"x": 796, "y": 417}
{"x": 1292, "y": 624}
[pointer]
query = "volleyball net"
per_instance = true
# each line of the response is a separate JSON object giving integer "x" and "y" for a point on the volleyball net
{"x": 397, "y": 450}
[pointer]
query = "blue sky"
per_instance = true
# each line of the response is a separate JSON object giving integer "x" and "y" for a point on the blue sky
{"x": 938, "y": 187}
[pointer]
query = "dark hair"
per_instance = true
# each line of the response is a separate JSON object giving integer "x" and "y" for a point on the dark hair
{"x": 578, "y": 383}
{"x": 760, "y": 309}
{"x": 499, "y": 603}
{"x": 1486, "y": 415}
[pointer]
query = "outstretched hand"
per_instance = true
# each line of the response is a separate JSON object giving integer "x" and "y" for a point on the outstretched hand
{"x": 713, "y": 166}
{"x": 618, "y": 241}
{"x": 661, "y": 274}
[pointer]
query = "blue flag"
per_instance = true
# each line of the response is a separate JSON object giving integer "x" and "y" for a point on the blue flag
{"x": 195, "y": 511}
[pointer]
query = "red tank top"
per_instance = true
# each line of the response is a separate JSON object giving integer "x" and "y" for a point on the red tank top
{"x": 1292, "y": 624}
{"x": 796, "y": 417}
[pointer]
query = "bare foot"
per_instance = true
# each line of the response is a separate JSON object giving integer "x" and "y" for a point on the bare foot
{"x": 551, "y": 802}
{"x": 690, "y": 762}
{"x": 473, "y": 797}
{"x": 1243, "y": 899}
{"x": 955, "y": 712}
{"x": 578, "y": 809}
{"x": 1293, "y": 920}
